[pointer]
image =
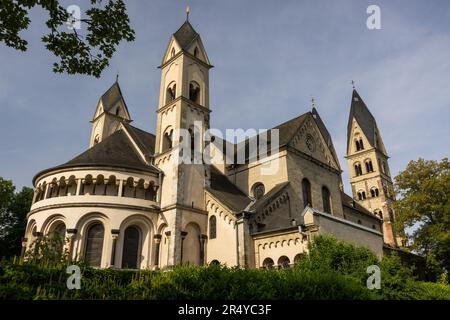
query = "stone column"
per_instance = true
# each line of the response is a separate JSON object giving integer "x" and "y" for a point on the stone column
{"x": 72, "y": 234}
{"x": 115, "y": 235}
{"x": 120, "y": 193}
{"x": 183, "y": 236}
{"x": 202, "y": 239}
{"x": 157, "y": 239}
{"x": 79, "y": 182}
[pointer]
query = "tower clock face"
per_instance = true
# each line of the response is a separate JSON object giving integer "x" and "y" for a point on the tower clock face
{"x": 310, "y": 143}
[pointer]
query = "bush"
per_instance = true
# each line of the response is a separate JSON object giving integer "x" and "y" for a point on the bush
{"x": 332, "y": 270}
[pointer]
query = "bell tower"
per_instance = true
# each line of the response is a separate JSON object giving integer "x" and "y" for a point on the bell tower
{"x": 367, "y": 160}
{"x": 182, "y": 118}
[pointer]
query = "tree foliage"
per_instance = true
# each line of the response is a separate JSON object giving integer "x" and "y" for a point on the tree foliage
{"x": 13, "y": 210}
{"x": 85, "y": 51}
{"x": 424, "y": 190}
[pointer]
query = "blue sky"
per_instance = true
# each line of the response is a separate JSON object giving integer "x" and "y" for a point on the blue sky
{"x": 270, "y": 57}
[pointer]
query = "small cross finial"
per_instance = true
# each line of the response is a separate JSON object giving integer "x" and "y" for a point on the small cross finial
{"x": 117, "y": 76}
{"x": 353, "y": 85}
{"x": 188, "y": 10}
{"x": 313, "y": 102}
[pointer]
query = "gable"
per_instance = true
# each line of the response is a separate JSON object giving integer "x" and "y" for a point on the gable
{"x": 309, "y": 140}
{"x": 173, "y": 48}
{"x": 201, "y": 52}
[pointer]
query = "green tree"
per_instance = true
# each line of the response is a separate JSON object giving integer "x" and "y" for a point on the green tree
{"x": 85, "y": 51}
{"x": 13, "y": 211}
{"x": 424, "y": 190}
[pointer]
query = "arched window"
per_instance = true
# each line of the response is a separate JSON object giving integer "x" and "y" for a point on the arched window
{"x": 358, "y": 169}
{"x": 194, "y": 92}
{"x": 58, "y": 235}
{"x": 94, "y": 245}
{"x": 96, "y": 139}
{"x": 369, "y": 166}
{"x": 378, "y": 213}
{"x": 172, "y": 53}
{"x": 196, "y": 52}
{"x": 359, "y": 145}
{"x": 117, "y": 111}
{"x": 215, "y": 263}
{"x": 374, "y": 192}
{"x": 167, "y": 139}
{"x": 131, "y": 243}
{"x": 212, "y": 227}
{"x": 268, "y": 263}
{"x": 361, "y": 195}
{"x": 171, "y": 92}
{"x": 326, "y": 200}
{"x": 258, "y": 190}
{"x": 306, "y": 190}
{"x": 283, "y": 262}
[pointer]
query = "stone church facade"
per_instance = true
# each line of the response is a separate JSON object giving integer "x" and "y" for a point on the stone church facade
{"x": 127, "y": 203}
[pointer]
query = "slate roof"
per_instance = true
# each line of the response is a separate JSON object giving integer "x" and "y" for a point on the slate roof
{"x": 110, "y": 98}
{"x": 226, "y": 192}
{"x": 115, "y": 151}
{"x": 286, "y": 131}
{"x": 185, "y": 35}
{"x": 349, "y": 202}
{"x": 145, "y": 140}
{"x": 274, "y": 192}
{"x": 366, "y": 120}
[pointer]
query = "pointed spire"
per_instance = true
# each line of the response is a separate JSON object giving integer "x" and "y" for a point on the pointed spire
{"x": 365, "y": 119}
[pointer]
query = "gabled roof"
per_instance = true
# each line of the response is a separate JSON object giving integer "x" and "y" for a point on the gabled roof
{"x": 286, "y": 131}
{"x": 226, "y": 192}
{"x": 269, "y": 196}
{"x": 326, "y": 135}
{"x": 185, "y": 35}
{"x": 144, "y": 139}
{"x": 365, "y": 119}
{"x": 349, "y": 202}
{"x": 110, "y": 98}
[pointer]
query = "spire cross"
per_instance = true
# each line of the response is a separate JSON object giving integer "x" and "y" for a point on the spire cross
{"x": 313, "y": 102}
{"x": 353, "y": 84}
{"x": 117, "y": 76}
{"x": 188, "y": 10}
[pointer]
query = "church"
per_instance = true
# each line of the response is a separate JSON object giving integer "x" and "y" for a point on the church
{"x": 126, "y": 202}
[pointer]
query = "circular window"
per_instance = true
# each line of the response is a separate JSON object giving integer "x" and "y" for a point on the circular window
{"x": 258, "y": 190}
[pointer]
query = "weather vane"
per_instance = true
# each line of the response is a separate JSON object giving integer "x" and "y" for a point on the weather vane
{"x": 188, "y": 10}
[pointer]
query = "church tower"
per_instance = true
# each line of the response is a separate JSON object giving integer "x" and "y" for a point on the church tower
{"x": 111, "y": 111}
{"x": 367, "y": 160}
{"x": 182, "y": 118}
